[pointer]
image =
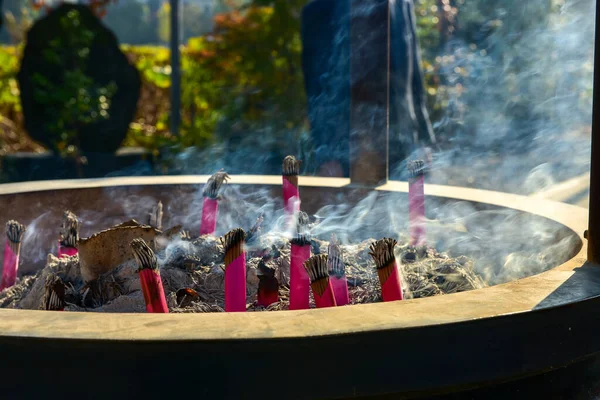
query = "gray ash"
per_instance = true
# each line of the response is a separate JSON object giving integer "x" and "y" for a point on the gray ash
{"x": 192, "y": 272}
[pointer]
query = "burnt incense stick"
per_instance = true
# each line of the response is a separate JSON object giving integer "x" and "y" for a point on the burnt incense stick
{"x": 316, "y": 267}
{"x": 210, "y": 206}
{"x": 291, "y": 194}
{"x": 300, "y": 252}
{"x": 54, "y": 294}
{"x": 335, "y": 263}
{"x": 69, "y": 235}
{"x": 235, "y": 270}
{"x": 14, "y": 234}
{"x": 152, "y": 287}
{"x": 416, "y": 202}
{"x": 382, "y": 252}
{"x": 337, "y": 272}
{"x": 302, "y": 237}
{"x": 213, "y": 186}
{"x": 155, "y": 216}
{"x": 268, "y": 285}
{"x": 12, "y": 250}
{"x": 254, "y": 232}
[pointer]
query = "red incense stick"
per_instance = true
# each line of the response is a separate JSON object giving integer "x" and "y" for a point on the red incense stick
{"x": 316, "y": 266}
{"x": 54, "y": 294}
{"x": 416, "y": 202}
{"x": 69, "y": 235}
{"x": 210, "y": 207}
{"x": 299, "y": 280}
{"x": 291, "y": 193}
{"x": 382, "y": 252}
{"x": 337, "y": 272}
{"x": 152, "y": 287}
{"x": 12, "y": 249}
{"x": 268, "y": 286}
{"x": 235, "y": 270}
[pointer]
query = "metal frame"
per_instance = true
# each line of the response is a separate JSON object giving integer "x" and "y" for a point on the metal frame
{"x": 175, "y": 66}
{"x": 593, "y": 232}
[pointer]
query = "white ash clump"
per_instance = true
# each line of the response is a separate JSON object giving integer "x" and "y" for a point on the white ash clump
{"x": 197, "y": 264}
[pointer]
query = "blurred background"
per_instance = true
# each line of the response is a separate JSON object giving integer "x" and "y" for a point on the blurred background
{"x": 508, "y": 90}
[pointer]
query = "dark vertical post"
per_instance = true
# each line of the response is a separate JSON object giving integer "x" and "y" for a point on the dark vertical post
{"x": 175, "y": 68}
{"x": 593, "y": 234}
{"x": 369, "y": 91}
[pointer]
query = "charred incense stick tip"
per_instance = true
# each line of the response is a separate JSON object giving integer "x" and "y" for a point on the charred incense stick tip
{"x": 302, "y": 230}
{"x": 14, "y": 231}
{"x": 335, "y": 261}
{"x": 54, "y": 294}
{"x": 69, "y": 230}
{"x": 291, "y": 166}
{"x": 144, "y": 256}
{"x": 416, "y": 168}
{"x": 265, "y": 271}
{"x": 316, "y": 267}
{"x": 186, "y": 296}
{"x": 214, "y": 183}
{"x": 233, "y": 242}
{"x": 382, "y": 252}
{"x": 155, "y": 216}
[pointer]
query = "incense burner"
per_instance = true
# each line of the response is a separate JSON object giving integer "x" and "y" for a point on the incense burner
{"x": 416, "y": 347}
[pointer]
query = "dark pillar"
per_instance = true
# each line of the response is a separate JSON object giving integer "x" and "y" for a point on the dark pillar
{"x": 175, "y": 68}
{"x": 369, "y": 91}
{"x": 593, "y": 234}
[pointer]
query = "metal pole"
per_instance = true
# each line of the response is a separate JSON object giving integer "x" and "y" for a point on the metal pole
{"x": 593, "y": 233}
{"x": 369, "y": 91}
{"x": 175, "y": 68}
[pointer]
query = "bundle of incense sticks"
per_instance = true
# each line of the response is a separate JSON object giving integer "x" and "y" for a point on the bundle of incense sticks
{"x": 210, "y": 208}
{"x": 69, "y": 235}
{"x": 337, "y": 272}
{"x": 268, "y": 286}
{"x": 382, "y": 252}
{"x": 152, "y": 287}
{"x": 12, "y": 250}
{"x": 316, "y": 266}
{"x": 299, "y": 280}
{"x": 291, "y": 194}
{"x": 416, "y": 202}
{"x": 235, "y": 270}
{"x": 54, "y": 294}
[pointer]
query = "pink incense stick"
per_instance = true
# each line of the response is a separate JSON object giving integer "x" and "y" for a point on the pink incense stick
{"x": 210, "y": 207}
{"x": 235, "y": 270}
{"x": 69, "y": 235}
{"x": 416, "y": 202}
{"x": 12, "y": 249}
{"x": 299, "y": 280}
{"x": 337, "y": 272}
{"x": 64, "y": 251}
{"x": 291, "y": 193}
{"x": 54, "y": 294}
{"x": 382, "y": 252}
{"x": 317, "y": 270}
{"x": 152, "y": 287}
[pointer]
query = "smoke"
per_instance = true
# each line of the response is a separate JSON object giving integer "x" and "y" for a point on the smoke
{"x": 514, "y": 110}
{"x": 513, "y": 113}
